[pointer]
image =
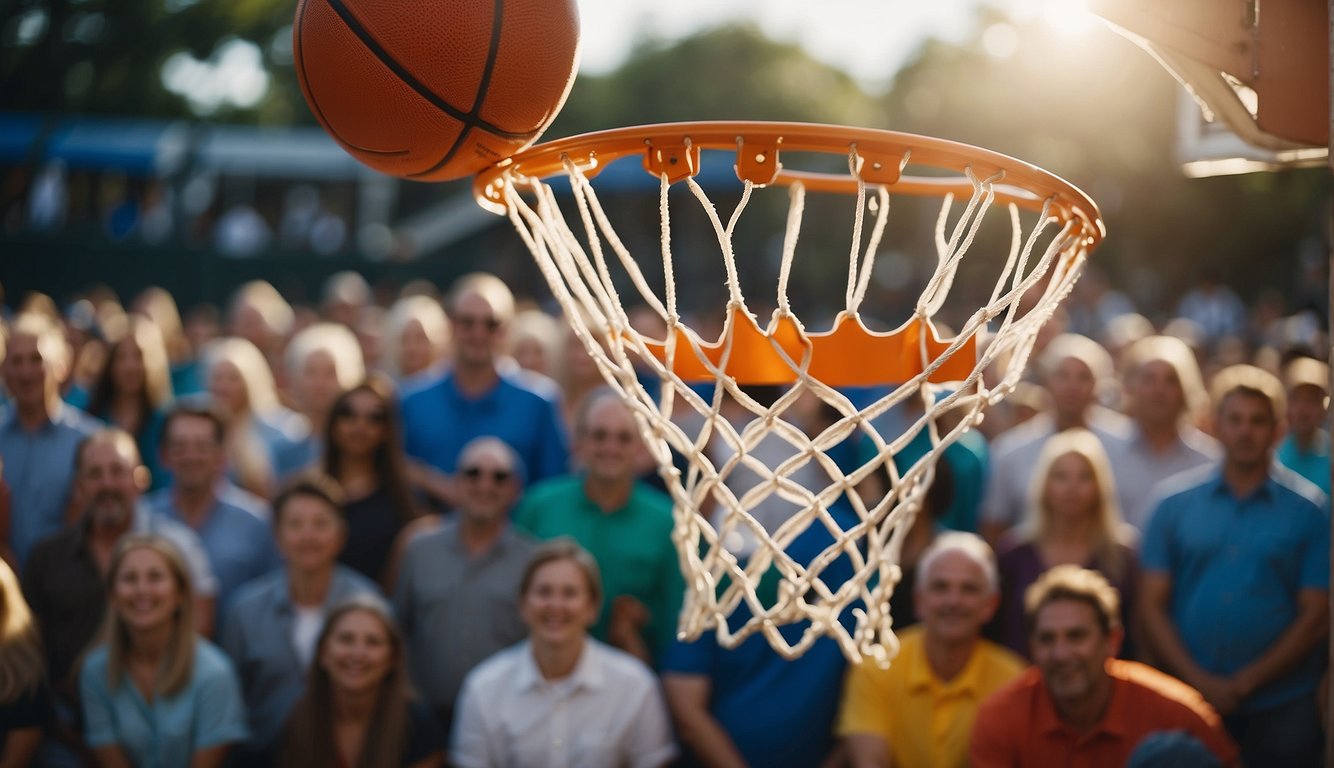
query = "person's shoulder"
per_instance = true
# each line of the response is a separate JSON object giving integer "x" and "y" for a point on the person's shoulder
{"x": 1161, "y": 689}
{"x": 1186, "y": 485}
{"x": 210, "y": 661}
{"x": 258, "y": 593}
{"x": 95, "y": 663}
{"x": 1200, "y": 443}
{"x": 621, "y": 668}
{"x": 528, "y": 387}
{"x": 1294, "y": 488}
{"x": 1020, "y": 436}
{"x": 414, "y": 389}
{"x": 79, "y": 420}
{"x": 999, "y": 660}
{"x": 236, "y": 497}
{"x": 52, "y": 549}
{"x": 497, "y": 668}
{"x": 352, "y": 582}
{"x": 552, "y": 489}
{"x": 652, "y": 499}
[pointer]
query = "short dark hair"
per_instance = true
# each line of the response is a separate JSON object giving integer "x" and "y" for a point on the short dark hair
{"x": 1070, "y": 582}
{"x": 311, "y": 484}
{"x": 563, "y": 548}
{"x": 196, "y": 408}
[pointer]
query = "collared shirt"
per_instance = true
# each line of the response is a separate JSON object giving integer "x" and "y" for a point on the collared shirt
{"x": 632, "y": 546}
{"x": 1138, "y": 469}
{"x": 235, "y": 533}
{"x": 67, "y": 591}
{"x": 169, "y": 730}
{"x": 257, "y": 636}
{"x": 1311, "y": 464}
{"x": 1237, "y": 566}
{"x": 438, "y": 420}
{"x": 925, "y": 721}
{"x": 39, "y": 469}
{"x": 457, "y": 609}
{"x": 1015, "y": 456}
{"x": 1017, "y": 727}
{"x": 607, "y": 713}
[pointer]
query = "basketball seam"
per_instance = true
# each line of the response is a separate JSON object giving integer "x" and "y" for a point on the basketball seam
{"x": 314, "y": 104}
{"x": 468, "y": 118}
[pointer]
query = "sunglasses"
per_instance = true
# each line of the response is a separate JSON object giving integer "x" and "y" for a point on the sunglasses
{"x": 377, "y": 416}
{"x": 601, "y": 435}
{"x": 498, "y": 476}
{"x": 475, "y": 321}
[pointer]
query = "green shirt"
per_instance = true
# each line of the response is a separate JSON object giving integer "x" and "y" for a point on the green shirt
{"x": 632, "y": 545}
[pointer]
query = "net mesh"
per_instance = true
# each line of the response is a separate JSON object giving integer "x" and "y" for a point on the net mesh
{"x": 792, "y": 504}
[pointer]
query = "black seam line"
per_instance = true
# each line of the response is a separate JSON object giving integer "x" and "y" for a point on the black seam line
{"x": 314, "y": 103}
{"x": 380, "y": 53}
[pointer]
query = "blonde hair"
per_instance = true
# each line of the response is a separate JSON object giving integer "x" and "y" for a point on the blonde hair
{"x": 1110, "y": 531}
{"x": 177, "y": 663}
{"x": 158, "y": 305}
{"x": 426, "y": 311}
{"x": 268, "y": 302}
{"x": 50, "y": 340}
{"x": 341, "y": 345}
{"x": 1253, "y": 381}
{"x": 21, "y": 664}
{"x": 489, "y": 287}
{"x": 246, "y": 450}
{"x": 1174, "y": 352}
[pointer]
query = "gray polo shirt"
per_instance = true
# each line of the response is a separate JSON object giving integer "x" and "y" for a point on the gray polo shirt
{"x": 1139, "y": 470}
{"x": 257, "y": 635}
{"x": 457, "y": 609}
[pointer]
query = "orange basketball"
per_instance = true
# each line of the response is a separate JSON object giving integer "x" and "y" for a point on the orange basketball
{"x": 439, "y": 90}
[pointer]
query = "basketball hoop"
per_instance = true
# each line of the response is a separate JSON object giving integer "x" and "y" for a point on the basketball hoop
{"x": 1053, "y": 227}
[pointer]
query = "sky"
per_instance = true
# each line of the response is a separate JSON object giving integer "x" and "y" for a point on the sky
{"x": 889, "y": 30}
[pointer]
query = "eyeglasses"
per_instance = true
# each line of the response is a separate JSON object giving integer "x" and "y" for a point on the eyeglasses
{"x": 601, "y": 435}
{"x": 377, "y": 416}
{"x": 498, "y": 476}
{"x": 476, "y": 321}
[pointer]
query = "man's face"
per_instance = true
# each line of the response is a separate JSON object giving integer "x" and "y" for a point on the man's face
{"x": 476, "y": 329}
{"x": 608, "y": 442}
{"x": 28, "y": 376}
{"x": 108, "y": 483}
{"x": 1070, "y": 649}
{"x": 1072, "y": 387}
{"x": 1246, "y": 427}
{"x": 955, "y": 600}
{"x": 1306, "y": 409}
{"x": 192, "y": 452}
{"x": 1156, "y": 392}
{"x": 488, "y": 485}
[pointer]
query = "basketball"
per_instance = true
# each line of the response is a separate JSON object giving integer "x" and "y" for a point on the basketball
{"x": 435, "y": 91}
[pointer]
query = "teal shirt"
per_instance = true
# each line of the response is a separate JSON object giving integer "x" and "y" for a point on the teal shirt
{"x": 1313, "y": 466}
{"x": 632, "y": 545}
{"x": 166, "y": 733}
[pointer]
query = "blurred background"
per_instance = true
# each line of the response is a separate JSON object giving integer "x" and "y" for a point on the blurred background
{"x": 166, "y": 142}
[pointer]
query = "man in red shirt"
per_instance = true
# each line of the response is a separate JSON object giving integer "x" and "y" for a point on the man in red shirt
{"x": 1079, "y": 705}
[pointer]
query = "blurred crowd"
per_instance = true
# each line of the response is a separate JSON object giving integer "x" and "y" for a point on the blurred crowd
{"x": 425, "y": 533}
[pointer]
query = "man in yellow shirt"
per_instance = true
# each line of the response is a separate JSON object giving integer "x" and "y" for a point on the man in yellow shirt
{"x": 919, "y": 712}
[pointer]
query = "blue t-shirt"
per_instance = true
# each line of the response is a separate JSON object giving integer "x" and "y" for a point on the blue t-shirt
{"x": 1237, "y": 566}
{"x": 166, "y": 733}
{"x": 39, "y": 469}
{"x": 438, "y": 421}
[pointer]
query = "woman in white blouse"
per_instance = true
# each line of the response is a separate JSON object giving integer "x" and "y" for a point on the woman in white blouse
{"x": 561, "y": 698}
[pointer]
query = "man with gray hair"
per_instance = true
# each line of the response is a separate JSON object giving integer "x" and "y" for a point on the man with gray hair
{"x": 920, "y": 711}
{"x": 458, "y": 585}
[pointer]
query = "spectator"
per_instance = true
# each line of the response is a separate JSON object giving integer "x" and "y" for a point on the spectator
{"x": 232, "y": 524}
{"x": 471, "y": 567}
{"x": 153, "y": 691}
{"x": 322, "y": 361}
{"x": 346, "y": 297}
{"x": 134, "y": 389}
{"x": 270, "y": 632}
{"x": 626, "y": 525}
{"x": 159, "y": 306}
{"x": 25, "y": 699}
{"x": 1074, "y": 368}
{"x": 474, "y": 398}
{"x": 1079, "y": 704}
{"x": 536, "y": 339}
{"x": 39, "y": 435}
{"x": 416, "y": 338}
{"x": 919, "y": 711}
{"x": 357, "y": 709}
{"x": 1073, "y": 519}
{"x": 1166, "y": 398}
{"x": 363, "y": 454}
{"x": 258, "y": 428}
{"x": 1305, "y": 449}
{"x": 1236, "y": 580}
{"x": 1214, "y": 308}
{"x": 561, "y": 697}
{"x": 260, "y": 315}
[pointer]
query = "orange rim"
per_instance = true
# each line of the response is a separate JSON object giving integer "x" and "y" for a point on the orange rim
{"x": 888, "y": 158}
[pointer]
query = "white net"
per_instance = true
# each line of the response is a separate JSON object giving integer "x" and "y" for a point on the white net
{"x": 792, "y": 501}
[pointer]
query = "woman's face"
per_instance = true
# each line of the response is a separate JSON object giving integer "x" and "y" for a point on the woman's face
{"x": 360, "y": 424}
{"x": 558, "y": 606}
{"x": 317, "y": 384}
{"x": 1072, "y": 488}
{"x": 529, "y": 353}
{"x": 128, "y": 374}
{"x": 416, "y": 353}
{"x": 310, "y": 533}
{"x": 228, "y": 388}
{"x": 358, "y": 652}
{"x": 144, "y": 592}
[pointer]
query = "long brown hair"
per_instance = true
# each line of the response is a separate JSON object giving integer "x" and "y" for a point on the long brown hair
{"x": 177, "y": 663}
{"x": 310, "y": 732}
{"x": 21, "y": 665}
{"x": 390, "y": 464}
{"x": 145, "y": 335}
